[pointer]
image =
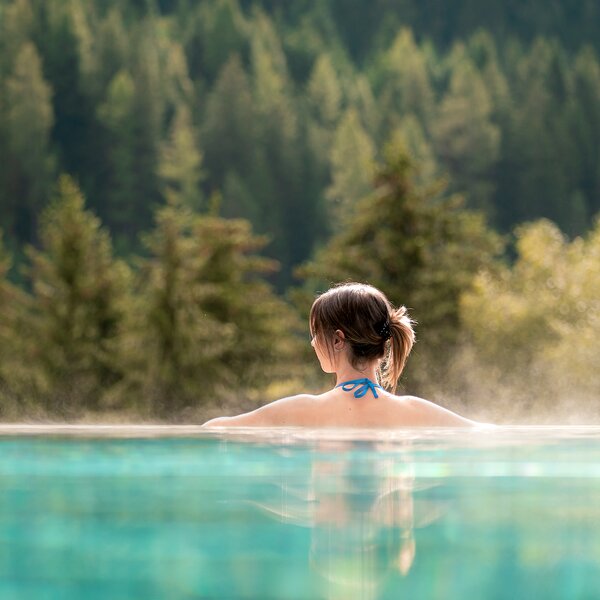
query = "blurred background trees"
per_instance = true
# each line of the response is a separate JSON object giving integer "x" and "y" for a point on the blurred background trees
{"x": 286, "y": 109}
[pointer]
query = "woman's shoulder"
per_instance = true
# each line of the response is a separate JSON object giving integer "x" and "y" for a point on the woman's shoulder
{"x": 417, "y": 411}
{"x": 284, "y": 412}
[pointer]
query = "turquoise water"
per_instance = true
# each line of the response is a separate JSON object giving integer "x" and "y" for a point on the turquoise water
{"x": 177, "y": 513}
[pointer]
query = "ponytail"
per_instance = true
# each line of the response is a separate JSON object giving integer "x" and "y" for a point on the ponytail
{"x": 402, "y": 338}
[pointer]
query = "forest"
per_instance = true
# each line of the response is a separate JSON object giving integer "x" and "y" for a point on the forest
{"x": 178, "y": 179}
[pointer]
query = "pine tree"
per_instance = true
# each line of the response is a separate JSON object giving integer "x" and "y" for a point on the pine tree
{"x": 585, "y": 124}
{"x": 29, "y": 161}
{"x": 466, "y": 140}
{"x": 324, "y": 98}
{"x": 404, "y": 81}
{"x": 539, "y": 170}
{"x": 352, "y": 158}
{"x": 229, "y": 128}
{"x": 324, "y": 93}
{"x": 80, "y": 293}
{"x": 112, "y": 49}
{"x": 16, "y": 26}
{"x": 181, "y": 160}
{"x": 283, "y": 203}
{"x": 426, "y": 169}
{"x": 207, "y": 328}
{"x": 15, "y": 341}
{"x": 224, "y": 34}
{"x": 420, "y": 248}
{"x": 117, "y": 116}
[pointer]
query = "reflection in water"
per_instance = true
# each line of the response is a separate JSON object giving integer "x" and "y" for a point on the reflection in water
{"x": 177, "y": 517}
{"x": 360, "y": 507}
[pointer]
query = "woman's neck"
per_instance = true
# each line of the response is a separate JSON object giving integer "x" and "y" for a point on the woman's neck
{"x": 349, "y": 374}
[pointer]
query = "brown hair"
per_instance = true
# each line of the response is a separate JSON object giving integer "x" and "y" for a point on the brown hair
{"x": 368, "y": 320}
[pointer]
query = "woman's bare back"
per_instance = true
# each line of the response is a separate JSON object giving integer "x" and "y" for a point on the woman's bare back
{"x": 337, "y": 408}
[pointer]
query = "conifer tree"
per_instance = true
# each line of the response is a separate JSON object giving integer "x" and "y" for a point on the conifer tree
{"x": 28, "y": 159}
{"x": 540, "y": 168}
{"x": 117, "y": 115}
{"x": 420, "y": 248}
{"x": 15, "y": 341}
{"x": 206, "y": 328}
{"x": 585, "y": 123}
{"x": 404, "y": 81}
{"x": 229, "y": 128}
{"x": 426, "y": 169}
{"x": 466, "y": 140}
{"x": 180, "y": 161}
{"x": 224, "y": 33}
{"x": 16, "y": 26}
{"x": 324, "y": 98}
{"x": 324, "y": 92}
{"x": 284, "y": 206}
{"x": 80, "y": 293}
{"x": 352, "y": 158}
{"x": 112, "y": 49}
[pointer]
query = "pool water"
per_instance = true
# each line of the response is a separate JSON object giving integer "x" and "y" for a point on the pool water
{"x": 183, "y": 513}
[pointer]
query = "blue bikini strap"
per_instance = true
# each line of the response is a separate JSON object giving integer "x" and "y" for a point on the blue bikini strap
{"x": 363, "y": 385}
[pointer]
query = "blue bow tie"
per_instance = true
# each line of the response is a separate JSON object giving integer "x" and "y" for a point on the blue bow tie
{"x": 363, "y": 385}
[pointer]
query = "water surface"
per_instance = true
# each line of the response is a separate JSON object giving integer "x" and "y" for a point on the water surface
{"x": 179, "y": 512}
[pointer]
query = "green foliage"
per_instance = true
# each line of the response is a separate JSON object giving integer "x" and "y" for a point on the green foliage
{"x": 15, "y": 376}
{"x": 205, "y": 326}
{"x": 324, "y": 92}
{"x": 180, "y": 162}
{"x": 421, "y": 249}
{"x": 539, "y": 321}
{"x": 283, "y": 107}
{"x": 229, "y": 128}
{"x": 224, "y": 32}
{"x": 404, "y": 79}
{"x": 465, "y": 138}
{"x": 79, "y": 297}
{"x": 27, "y": 156}
{"x": 197, "y": 326}
{"x": 97, "y": 89}
{"x": 117, "y": 115}
{"x": 352, "y": 158}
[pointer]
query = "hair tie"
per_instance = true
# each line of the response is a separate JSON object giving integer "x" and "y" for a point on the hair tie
{"x": 384, "y": 330}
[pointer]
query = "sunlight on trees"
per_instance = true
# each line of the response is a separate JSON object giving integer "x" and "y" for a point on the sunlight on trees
{"x": 539, "y": 321}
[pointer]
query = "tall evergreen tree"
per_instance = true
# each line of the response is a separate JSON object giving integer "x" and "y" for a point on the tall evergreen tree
{"x": 181, "y": 160}
{"x": 229, "y": 128}
{"x": 324, "y": 92}
{"x": 80, "y": 293}
{"x": 28, "y": 164}
{"x": 585, "y": 123}
{"x": 286, "y": 212}
{"x": 224, "y": 33}
{"x": 352, "y": 162}
{"x": 324, "y": 108}
{"x": 15, "y": 344}
{"x": 539, "y": 167}
{"x": 206, "y": 327}
{"x": 404, "y": 81}
{"x": 117, "y": 116}
{"x": 466, "y": 140}
{"x": 421, "y": 249}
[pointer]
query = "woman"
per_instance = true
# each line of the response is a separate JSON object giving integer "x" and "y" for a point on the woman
{"x": 358, "y": 335}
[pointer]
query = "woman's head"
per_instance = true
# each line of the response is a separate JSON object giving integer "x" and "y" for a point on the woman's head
{"x": 367, "y": 320}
